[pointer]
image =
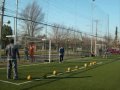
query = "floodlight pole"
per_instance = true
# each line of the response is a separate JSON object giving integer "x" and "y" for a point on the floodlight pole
{"x": 108, "y": 29}
{"x": 1, "y": 25}
{"x": 15, "y": 39}
{"x": 92, "y": 7}
{"x": 96, "y": 37}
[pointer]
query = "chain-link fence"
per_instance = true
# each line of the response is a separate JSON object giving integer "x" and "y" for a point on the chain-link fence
{"x": 76, "y": 42}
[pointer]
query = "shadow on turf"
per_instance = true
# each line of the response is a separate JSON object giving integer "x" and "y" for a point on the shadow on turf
{"x": 71, "y": 75}
{"x": 51, "y": 80}
{"x": 67, "y": 77}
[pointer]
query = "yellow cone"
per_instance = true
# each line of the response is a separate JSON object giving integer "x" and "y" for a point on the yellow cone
{"x": 29, "y": 77}
{"x": 85, "y": 65}
{"x": 90, "y": 64}
{"x": 76, "y": 67}
{"x": 54, "y": 72}
{"x": 69, "y": 69}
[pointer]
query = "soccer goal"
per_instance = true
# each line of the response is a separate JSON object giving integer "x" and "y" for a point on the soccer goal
{"x": 42, "y": 48}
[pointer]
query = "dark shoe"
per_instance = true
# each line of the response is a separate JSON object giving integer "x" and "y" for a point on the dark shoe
{"x": 8, "y": 77}
{"x": 15, "y": 78}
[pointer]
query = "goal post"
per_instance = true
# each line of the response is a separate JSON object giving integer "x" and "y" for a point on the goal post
{"x": 10, "y": 36}
{"x": 49, "y": 51}
{"x": 43, "y": 48}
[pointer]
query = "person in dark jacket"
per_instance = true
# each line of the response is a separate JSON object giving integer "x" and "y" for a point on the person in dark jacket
{"x": 61, "y": 54}
{"x": 12, "y": 53}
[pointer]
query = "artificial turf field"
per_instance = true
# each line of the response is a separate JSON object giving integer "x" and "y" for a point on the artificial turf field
{"x": 104, "y": 75}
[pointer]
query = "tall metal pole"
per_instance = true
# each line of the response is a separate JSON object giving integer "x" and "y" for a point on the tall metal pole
{"x": 92, "y": 7}
{"x": 108, "y": 30}
{"x": 15, "y": 39}
{"x": 1, "y": 25}
{"x": 96, "y": 37}
{"x": 49, "y": 51}
{"x": 14, "y": 28}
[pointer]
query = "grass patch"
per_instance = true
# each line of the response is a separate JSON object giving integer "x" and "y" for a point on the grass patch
{"x": 105, "y": 75}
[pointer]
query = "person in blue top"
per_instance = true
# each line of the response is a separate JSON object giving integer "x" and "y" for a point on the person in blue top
{"x": 12, "y": 53}
{"x": 61, "y": 54}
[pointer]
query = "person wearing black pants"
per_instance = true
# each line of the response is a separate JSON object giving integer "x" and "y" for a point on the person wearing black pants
{"x": 12, "y": 53}
{"x": 61, "y": 53}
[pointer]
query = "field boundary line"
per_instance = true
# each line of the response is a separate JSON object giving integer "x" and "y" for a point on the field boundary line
{"x": 19, "y": 66}
{"x": 4, "y": 81}
{"x": 9, "y": 82}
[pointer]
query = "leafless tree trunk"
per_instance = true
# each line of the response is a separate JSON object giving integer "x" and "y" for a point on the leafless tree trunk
{"x": 66, "y": 37}
{"x": 33, "y": 13}
{"x": 59, "y": 34}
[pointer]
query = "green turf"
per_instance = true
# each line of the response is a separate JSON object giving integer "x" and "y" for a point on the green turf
{"x": 105, "y": 76}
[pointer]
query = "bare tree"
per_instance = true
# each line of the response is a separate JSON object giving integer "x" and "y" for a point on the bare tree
{"x": 59, "y": 34}
{"x": 86, "y": 43}
{"x": 67, "y": 37}
{"x": 108, "y": 41}
{"x": 34, "y": 14}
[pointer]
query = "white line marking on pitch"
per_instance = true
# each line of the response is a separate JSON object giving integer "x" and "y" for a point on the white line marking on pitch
{"x": 82, "y": 68}
{"x": 35, "y": 79}
{"x": 73, "y": 70}
{"x": 9, "y": 82}
{"x": 24, "y": 82}
{"x": 15, "y": 83}
{"x": 26, "y": 65}
{"x": 59, "y": 73}
{"x": 51, "y": 75}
